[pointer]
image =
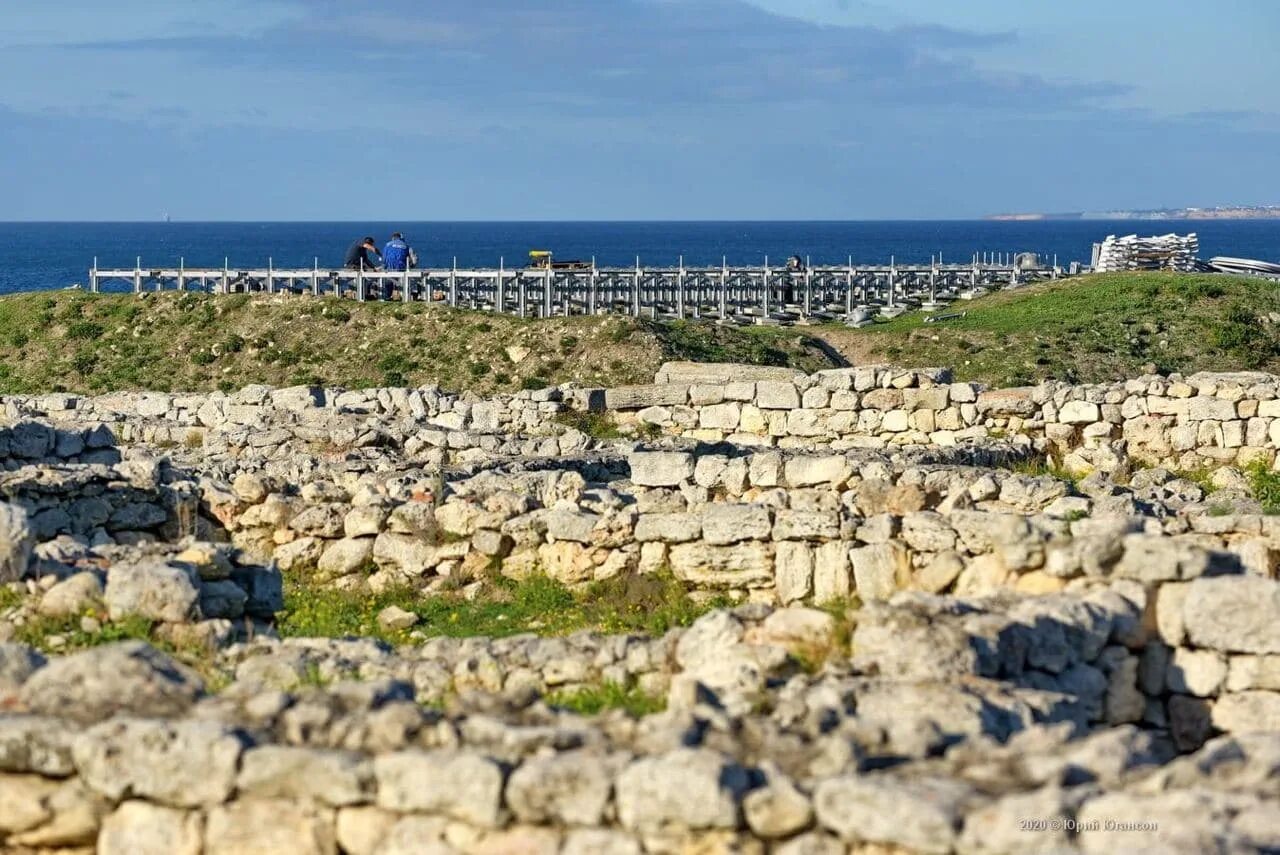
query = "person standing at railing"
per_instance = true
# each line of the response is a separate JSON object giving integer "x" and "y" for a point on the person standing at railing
{"x": 397, "y": 256}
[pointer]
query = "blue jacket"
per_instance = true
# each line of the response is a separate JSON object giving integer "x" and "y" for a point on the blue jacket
{"x": 395, "y": 255}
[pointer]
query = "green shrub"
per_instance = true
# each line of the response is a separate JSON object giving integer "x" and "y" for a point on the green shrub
{"x": 1264, "y": 484}
{"x": 85, "y": 330}
{"x": 202, "y": 357}
{"x": 84, "y": 362}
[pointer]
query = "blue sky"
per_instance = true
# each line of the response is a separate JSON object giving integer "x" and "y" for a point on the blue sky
{"x": 634, "y": 109}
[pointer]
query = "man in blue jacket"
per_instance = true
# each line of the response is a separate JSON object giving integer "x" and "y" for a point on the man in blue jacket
{"x": 397, "y": 256}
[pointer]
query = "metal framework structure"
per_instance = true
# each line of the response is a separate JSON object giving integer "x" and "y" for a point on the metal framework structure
{"x": 851, "y": 292}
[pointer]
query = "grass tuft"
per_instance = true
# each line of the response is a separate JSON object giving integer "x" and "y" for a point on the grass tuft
{"x": 593, "y": 700}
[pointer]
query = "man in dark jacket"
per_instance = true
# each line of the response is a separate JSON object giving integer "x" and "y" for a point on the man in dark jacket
{"x": 358, "y": 255}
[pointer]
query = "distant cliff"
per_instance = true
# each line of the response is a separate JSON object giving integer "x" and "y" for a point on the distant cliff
{"x": 1234, "y": 212}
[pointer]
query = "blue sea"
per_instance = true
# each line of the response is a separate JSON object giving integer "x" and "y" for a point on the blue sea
{"x": 37, "y": 256}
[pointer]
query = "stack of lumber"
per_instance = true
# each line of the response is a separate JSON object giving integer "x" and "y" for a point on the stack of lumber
{"x": 1164, "y": 252}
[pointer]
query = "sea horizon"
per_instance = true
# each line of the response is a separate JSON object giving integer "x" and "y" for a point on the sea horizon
{"x": 44, "y": 255}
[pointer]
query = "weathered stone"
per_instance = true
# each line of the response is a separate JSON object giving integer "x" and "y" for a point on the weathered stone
{"x": 124, "y": 678}
{"x": 669, "y": 528}
{"x": 459, "y": 784}
{"x": 16, "y": 542}
{"x": 141, "y": 828}
{"x": 346, "y": 556}
{"x": 152, "y": 589}
{"x": 740, "y": 565}
{"x": 1233, "y": 614}
{"x": 1196, "y": 672}
{"x": 879, "y": 570}
{"x": 179, "y": 763}
{"x": 724, "y": 524}
{"x": 251, "y": 826}
{"x": 330, "y": 777}
{"x": 922, "y": 815}
{"x": 567, "y": 789}
{"x": 793, "y": 563}
{"x": 1247, "y": 712}
{"x": 687, "y": 788}
{"x": 777, "y": 810}
{"x": 660, "y": 468}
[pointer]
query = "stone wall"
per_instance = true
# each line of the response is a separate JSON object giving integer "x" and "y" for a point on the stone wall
{"x": 1180, "y": 422}
{"x": 952, "y": 720}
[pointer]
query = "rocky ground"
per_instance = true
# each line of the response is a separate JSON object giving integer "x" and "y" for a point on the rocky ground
{"x": 581, "y": 621}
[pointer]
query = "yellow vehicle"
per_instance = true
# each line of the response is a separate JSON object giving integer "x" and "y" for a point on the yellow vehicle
{"x": 541, "y": 259}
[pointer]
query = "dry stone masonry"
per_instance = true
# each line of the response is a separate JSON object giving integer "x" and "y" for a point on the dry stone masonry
{"x": 937, "y": 641}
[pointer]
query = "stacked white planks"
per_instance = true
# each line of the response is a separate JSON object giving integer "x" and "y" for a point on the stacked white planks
{"x": 1163, "y": 252}
{"x": 1245, "y": 266}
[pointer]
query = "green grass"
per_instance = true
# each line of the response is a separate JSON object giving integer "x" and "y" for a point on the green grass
{"x": 87, "y": 343}
{"x": 651, "y": 604}
{"x": 593, "y": 700}
{"x": 761, "y": 345}
{"x": 1202, "y": 478}
{"x": 1041, "y": 467}
{"x": 1088, "y": 329}
{"x": 9, "y": 598}
{"x": 38, "y": 630}
{"x": 597, "y": 425}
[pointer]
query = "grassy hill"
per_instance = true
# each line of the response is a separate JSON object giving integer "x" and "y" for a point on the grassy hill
{"x": 78, "y": 342}
{"x": 1087, "y": 329}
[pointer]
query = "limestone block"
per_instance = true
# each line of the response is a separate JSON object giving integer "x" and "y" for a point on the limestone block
{"x": 459, "y": 784}
{"x": 16, "y": 542}
{"x": 880, "y": 570}
{"x": 806, "y": 525}
{"x": 741, "y": 565}
{"x": 937, "y": 575}
{"x": 928, "y": 531}
{"x": 1234, "y": 614}
{"x": 831, "y": 577}
{"x": 777, "y": 395}
{"x": 185, "y": 763}
{"x": 649, "y": 395}
{"x": 152, "y": 589}
{"x": 141, "y": 828}
{"x": 1202, "y": 408}
{"x": 701, "y": 395}
{"x": 1196, "y": 672}
{"x": 720, "y": 416}
{"x": 882, "y": 399}
{"x": 1247, "y": 712}
{"x": 793, "y": 571}
{"x": 329, "y": 776}
{"x": 809, "y": 471}
{"x": 724, "y": 524}
{"x": 248, "y": 826}
{"x": 694, "y": 788}
{"x": 670, "y": 527}
{"x": 660, "y": 468}
{"x": 815, "y": 397}
{"x": 904, "y": 815}
{"x": 341, "y": 557}
{"x": 896, "y": 421}
{"x": 1253, "y": 672}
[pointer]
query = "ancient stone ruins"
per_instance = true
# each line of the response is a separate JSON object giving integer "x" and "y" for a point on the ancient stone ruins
{"x": 940, "y": 640}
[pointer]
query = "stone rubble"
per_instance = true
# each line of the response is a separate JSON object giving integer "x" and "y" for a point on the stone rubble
{"x": 939, "y": 643}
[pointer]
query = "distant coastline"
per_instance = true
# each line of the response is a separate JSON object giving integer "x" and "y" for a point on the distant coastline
{"x": 1235, "y": 212}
